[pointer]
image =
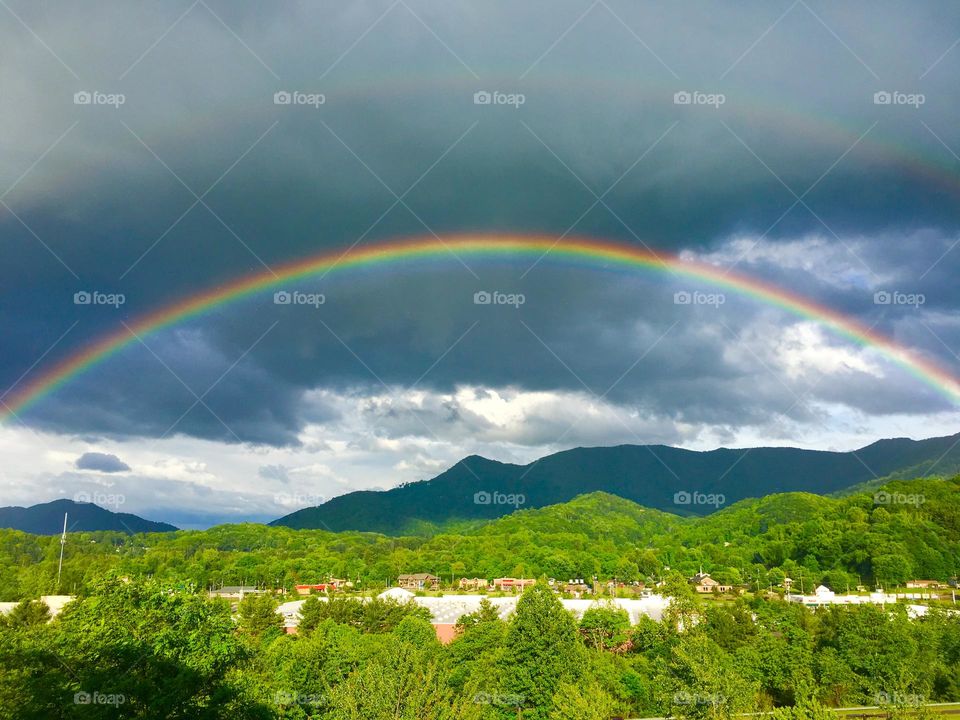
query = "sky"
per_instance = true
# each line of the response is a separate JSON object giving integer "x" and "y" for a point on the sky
{"x": 154, "y": 151}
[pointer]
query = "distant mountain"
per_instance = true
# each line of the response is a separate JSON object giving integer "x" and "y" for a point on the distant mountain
{"x": 47, "y": 519}
{"x": 655, "y": 476}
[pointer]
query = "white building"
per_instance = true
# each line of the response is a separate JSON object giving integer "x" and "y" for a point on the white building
{"x": 825, "y": 596}
{"x": 445, "y": 610}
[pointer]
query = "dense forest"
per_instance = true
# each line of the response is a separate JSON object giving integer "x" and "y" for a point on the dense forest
{"x": 137, "y": 649}
{"x": 908, "y": 529}
{"x": 144, "y": 640}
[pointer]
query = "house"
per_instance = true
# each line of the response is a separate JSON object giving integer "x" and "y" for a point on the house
{"x": 636, "y": 587}
{"x": 576, "y": 587}
{"x": 319, "y": 587}
{"x": 473, "y": 583}
{"x": 926, "y": 584}
{"x": 514, "y": 584}
{"x": 419, "y": 581}
{"x": 703, "y": 583}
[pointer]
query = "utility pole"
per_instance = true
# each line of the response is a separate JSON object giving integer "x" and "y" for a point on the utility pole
{"x": 63, "y": 541}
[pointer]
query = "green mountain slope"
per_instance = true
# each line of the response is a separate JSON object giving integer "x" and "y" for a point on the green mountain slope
{"x": 649, "y": 475}
{"x": 910, "y": 529}
{"x": 47, "y": 519}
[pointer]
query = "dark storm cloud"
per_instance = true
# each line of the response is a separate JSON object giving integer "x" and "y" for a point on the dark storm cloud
{"x": 112, "y": 199}
{"x": 101, "y": 462}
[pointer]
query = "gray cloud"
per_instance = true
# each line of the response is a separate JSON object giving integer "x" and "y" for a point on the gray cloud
{"x": 101, "y": 462}
{"x": 796, "y": 105}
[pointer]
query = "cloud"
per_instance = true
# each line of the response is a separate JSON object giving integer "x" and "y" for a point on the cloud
{"x": 101, "y": 462}
{"x": 798, "y": 179}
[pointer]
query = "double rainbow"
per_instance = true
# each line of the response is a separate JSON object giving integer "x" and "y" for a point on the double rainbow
{"x": 580, "y": 251}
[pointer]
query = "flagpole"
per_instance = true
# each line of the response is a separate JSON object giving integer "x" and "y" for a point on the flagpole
{"x": 63, "y": 541}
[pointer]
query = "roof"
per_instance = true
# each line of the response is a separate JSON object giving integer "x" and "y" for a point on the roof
{"x": 396, "y": 594}
{"x": 447, "y": 609}
{"x": 55, "y": 602}
{"x": 237, "y": 588}
{"x": 419, "y": 576}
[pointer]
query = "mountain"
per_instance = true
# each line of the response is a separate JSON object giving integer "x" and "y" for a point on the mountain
{"x": 680, "y": 481}
{"x": 47, "y": 519}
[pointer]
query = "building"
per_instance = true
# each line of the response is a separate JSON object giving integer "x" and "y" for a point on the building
{"x": 703, "y": 583}
{"x": 825, "y": 596}
{"x": 398, "y": 594}
{"x": 54, "y": 602}
{"x": 925, "y": 584}
{"x": 446, "y": 610}
{"x": 576, "y": 587}
{"x": 236, "y": 592}
{"x": 513, "y": 584}
{"x": 473, "y": 583}
{"x": 419, "y": 581}
{"x": 319, "y": 587}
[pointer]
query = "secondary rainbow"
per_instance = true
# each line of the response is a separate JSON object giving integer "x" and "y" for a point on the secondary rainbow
{"x": 582, "y": 251}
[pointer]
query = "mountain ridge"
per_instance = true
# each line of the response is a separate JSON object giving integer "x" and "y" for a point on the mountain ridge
{"x": 47, "y": 519}
{"x": 660, "y": 477}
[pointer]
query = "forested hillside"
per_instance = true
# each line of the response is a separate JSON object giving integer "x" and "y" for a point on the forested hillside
{"x": 909, "y": 529}
{"x": 47, "y": 519}
{"x": 651, "y": 475}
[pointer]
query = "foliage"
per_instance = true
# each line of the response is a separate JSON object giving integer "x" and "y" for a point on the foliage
{"x": 142, "y": 628}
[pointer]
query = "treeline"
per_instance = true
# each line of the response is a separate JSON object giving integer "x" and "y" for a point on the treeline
{"x": 906, "y": 530}
{"x": 132, "y": 649}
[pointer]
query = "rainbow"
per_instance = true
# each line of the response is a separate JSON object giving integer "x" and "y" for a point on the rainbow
{"x": 580, "y": 251}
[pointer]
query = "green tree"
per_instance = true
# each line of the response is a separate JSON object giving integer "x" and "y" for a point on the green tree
{"x": 574, "y": 701}
{"x": 27, "y": 614}
{"x": 541, "y": 650}
{"x": 258, "y": 616}
{"x": 804, "y": 710}
{"x": 415, "y": 631}
{"x": 704, "y": 681}
{"x": 605, "y": 627}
